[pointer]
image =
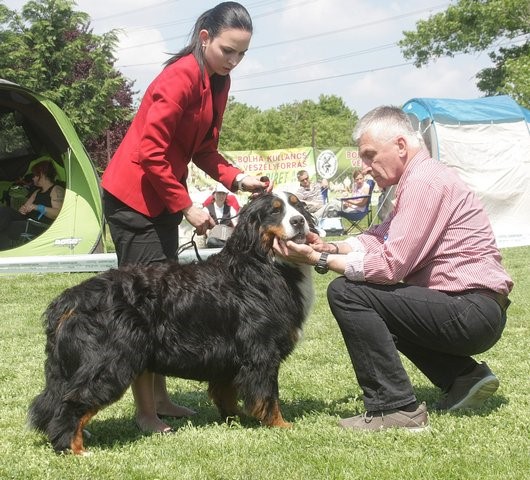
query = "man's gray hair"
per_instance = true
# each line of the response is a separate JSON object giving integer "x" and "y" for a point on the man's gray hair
{"x": 386, "y": 122}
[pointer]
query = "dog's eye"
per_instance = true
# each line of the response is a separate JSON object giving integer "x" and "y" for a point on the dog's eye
{"x": 276, "y": 207}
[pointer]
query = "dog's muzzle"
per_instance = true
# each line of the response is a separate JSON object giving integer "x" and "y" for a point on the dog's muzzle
{"x": 298, "y": 224}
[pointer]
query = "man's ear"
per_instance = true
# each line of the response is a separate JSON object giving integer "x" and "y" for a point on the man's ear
{"x": 402, "y": 145}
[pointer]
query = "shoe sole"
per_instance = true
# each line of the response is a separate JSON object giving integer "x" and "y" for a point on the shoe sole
{"x": 418, "y": 429}
{"x": 478, "y": 394}
{"x": 423, "y": 428}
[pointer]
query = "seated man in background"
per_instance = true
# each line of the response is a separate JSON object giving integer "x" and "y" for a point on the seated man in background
{"x": 43, "y": 205}
{"x": 310, "y": 194}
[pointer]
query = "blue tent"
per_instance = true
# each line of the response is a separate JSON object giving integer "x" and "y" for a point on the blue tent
{"x": 487, "y": 140}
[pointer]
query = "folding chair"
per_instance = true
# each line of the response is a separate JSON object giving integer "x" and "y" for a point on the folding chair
{"x": 354, "y": 218}
{"x": 33, "y": 229}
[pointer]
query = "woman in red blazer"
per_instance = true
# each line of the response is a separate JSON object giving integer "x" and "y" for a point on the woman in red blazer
{"x": 144, "y": 186}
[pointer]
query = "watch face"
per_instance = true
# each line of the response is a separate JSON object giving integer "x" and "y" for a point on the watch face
{"x": 322, "y": 266}
{"x": 321, "y": 269}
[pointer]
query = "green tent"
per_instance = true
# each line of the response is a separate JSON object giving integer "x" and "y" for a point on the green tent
{"x": 32, "y": 126}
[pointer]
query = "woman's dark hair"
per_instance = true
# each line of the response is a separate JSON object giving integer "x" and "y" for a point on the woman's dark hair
{"x": 45, "y": 168}
{"x": 357, "y": 171}
{"x": 226, "y": 15}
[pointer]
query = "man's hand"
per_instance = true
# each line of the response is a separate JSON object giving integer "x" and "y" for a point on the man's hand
{"x": 294, "y": 252}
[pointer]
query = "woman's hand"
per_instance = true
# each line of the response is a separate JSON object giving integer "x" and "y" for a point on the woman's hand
{"x": 255, "y": 185}
{"x": 26, "y": 208}
{"x": 200, "y": 219}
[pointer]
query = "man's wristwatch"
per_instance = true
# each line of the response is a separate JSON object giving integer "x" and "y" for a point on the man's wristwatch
{"x": 322, "y": 264}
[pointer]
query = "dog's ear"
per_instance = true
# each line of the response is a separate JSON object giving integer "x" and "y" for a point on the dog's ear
{"x": 247, "y": 238}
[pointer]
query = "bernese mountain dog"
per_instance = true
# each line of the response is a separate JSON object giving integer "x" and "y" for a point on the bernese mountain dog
{"x": 229, "y": 320}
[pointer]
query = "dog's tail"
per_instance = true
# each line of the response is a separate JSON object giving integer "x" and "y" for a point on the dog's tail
{"x": 44, "y": 407}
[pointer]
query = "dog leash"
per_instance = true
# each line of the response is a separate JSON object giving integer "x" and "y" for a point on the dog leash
{"x": 191, "y": 244}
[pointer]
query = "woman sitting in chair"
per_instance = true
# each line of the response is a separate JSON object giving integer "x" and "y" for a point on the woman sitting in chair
{"x": 359, "y": 188}
{"x": 43, "y": 205}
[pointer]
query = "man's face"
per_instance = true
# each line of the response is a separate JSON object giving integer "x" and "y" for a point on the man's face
{"x": 304, "y": 180}
{"x": 381, "y": 159}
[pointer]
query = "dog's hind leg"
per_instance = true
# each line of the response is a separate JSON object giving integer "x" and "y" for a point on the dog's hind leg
{"x": 91, "y": 390}
{"x": 225, "y": 398}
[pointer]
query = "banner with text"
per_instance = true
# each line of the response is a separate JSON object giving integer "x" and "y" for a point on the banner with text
{"x": 334, "y": 165}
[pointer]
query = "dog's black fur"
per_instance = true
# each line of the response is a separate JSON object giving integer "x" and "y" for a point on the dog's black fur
{"x": 229, "y": 320}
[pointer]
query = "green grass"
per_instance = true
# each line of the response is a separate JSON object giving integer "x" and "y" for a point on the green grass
{"x": 317, "y": 387}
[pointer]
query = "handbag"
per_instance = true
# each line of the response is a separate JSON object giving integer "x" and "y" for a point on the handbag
{"x": 218, "y": 236}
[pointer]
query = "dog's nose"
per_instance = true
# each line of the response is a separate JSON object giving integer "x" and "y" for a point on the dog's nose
{"x": 297, "y": 221}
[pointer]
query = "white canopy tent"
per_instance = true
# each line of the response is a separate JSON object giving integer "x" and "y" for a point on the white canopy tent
{"x": 487, "y": 140}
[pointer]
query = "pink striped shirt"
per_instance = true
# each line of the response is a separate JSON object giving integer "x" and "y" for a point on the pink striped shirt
{"x": 438, "y": 235}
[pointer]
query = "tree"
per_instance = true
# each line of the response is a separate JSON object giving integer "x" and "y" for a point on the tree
{"x": 475, "y": 26}
{"x": 51, "y": 49}
{"x": 328, "y": 123}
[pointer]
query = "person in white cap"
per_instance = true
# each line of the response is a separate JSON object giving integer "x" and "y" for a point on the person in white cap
{"x": 219, "y": 210}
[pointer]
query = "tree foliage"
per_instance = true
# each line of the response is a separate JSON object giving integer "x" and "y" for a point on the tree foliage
{"x": 51, "y": 49}
{"x": 328, "y": 123}
{"x": 475, "y": 26}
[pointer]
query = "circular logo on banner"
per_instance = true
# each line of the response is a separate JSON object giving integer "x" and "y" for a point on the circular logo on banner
{"x": 327, "y": 164}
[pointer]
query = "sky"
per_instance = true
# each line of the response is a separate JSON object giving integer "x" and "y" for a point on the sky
{"x": 300, "y": 49}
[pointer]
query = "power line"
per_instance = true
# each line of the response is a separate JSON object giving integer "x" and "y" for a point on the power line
{"x": 312, "y": 80}
{"x": 312, "y": 36}
{"x": 135, "y": 10}
{"x": 341, "y": 30}
{"x": 292, "y": 67}
{"x": 317, "y": 62}
{"x": 189, "y": 20}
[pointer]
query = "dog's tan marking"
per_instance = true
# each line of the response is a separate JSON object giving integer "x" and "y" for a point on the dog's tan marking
{"x": 65, "y": 316}
{"x": 267, "y": 235}
{"x": 271, "y": 417}
{"x": 76, "y": 445}
{"x": 277, "y": 203}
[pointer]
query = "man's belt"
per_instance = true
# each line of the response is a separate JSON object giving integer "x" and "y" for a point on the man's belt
{"x": 502, "y": 300}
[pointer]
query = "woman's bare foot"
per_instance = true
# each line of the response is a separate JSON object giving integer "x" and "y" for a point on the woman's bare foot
{"x": 164, "y": 406}
{"x": 167, "y": 408}
{"x": 151, "y": 424}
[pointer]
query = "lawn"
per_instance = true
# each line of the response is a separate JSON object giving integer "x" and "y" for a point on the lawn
{"x": 317, "y": 387}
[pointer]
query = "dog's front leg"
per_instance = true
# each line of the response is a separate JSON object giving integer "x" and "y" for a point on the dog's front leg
{"x": 259, "y": 389}
{"x": 269, "y": 414}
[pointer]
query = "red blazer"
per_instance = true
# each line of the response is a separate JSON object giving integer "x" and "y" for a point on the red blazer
{"x": 178, "y": 120}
